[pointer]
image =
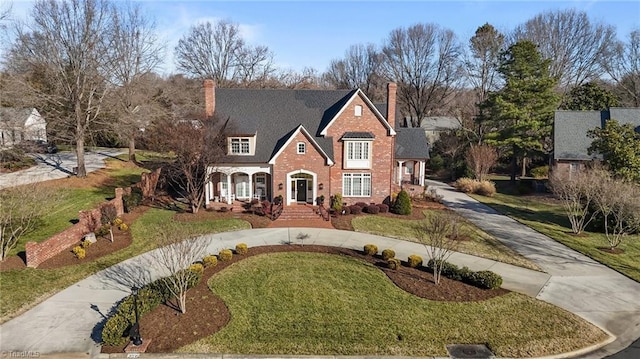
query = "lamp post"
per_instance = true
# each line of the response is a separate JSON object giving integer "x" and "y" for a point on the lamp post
{"x": 134, "y": 333}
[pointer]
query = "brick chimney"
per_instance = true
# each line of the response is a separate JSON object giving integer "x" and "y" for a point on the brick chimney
{"x": 391, "y": 104}
{"x": 209, "y": 97}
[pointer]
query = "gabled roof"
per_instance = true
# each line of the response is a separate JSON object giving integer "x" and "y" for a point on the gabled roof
{"x": 358, "y": 92}
{"x": 274, "y": 114}
{"x": 15, "y": 117}
{"x": 411, "y": 143}
{"x": 570, "y": 129}
{"x": 311, "y": 139}
{"x": 440, "y": 123}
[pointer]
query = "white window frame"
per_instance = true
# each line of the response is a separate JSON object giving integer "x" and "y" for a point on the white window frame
{"x": 301, "y": 148}
{"x": 357, "y": 111}
{"x": 356, "y": 184}
{"x": 240, "y": 146}
{"x": 357, "y": 154}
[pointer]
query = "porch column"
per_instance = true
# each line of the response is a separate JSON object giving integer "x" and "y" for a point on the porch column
{"x": 422, "y": 172}
{"x": 250, "y": 187}
{"x": 229, "y": 190}
{"x": 400, "y": 172}
{"x": 207, "y": 197}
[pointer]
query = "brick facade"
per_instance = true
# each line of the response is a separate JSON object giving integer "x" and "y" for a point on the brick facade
{"x": 88, "y": 221}
{"x": 381, "y": 151}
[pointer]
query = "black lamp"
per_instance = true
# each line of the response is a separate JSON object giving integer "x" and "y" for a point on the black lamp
{"x": 134, "y": 333}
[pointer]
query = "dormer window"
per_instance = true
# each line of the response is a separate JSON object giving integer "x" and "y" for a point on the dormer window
{"x": 357, "y": 150}
{"x": 240, "y": 146}
{"x": 358, "y": 111}
{"x": 302, "y": 148}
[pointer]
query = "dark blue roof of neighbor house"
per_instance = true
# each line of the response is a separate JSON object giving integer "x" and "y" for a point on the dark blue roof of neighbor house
{"x": 411, "y": 143}
{"x": 273, "y": 115}
{"x": 570, "y": 130}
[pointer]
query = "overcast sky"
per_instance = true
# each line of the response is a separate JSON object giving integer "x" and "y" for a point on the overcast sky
{"x": 312, "y": 33}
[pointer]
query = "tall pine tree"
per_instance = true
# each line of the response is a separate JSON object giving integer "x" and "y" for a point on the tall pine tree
{"x": 521, "y": 113}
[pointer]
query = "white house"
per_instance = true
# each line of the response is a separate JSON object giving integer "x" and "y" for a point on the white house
{"x": 21, "y": 124}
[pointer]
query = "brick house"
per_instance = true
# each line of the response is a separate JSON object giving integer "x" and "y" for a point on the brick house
{"x": 570, "y": 140}
{"x": 21, "y": 124}
{"x": 304, "y": 144}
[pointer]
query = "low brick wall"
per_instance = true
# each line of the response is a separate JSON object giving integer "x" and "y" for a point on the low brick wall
{"x": 89, "y": 221}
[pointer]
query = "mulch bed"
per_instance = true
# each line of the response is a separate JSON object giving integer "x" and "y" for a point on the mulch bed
{"x": 206, "y": 313}
{"x": 418, "y": 206}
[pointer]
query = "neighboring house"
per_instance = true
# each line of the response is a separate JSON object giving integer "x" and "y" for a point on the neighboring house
{"x": 303, "y": 144}
{"x": 433, "y": 126}
{"x": 570, "y": 140}
{"x": 20, "y": 124}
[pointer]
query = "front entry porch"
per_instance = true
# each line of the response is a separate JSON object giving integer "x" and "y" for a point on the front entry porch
{"x": 242, "y": 184}
{"x": 301, "y": 187}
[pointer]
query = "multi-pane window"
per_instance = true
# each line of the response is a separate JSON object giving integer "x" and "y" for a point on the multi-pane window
{"x": 302, "y": 149}
{"x": 240, "y": 146}
{"x": 356, "y": 184}
{"x": 357, "y": 150}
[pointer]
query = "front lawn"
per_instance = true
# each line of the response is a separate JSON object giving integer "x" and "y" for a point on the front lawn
{"x": 23, "y": 288}
{"x": 308, "y": 303}
{"x": 547, "y": 217}
{"x": 476, "y": 242}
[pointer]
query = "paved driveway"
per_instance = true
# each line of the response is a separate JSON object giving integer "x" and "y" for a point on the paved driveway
{"x": 57, "y": 165}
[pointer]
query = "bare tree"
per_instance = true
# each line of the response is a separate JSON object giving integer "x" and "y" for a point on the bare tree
{"x": 623, "y": 65}
{"x": 197, "y": 144}
{"x": 575, "y": 45}
{"x": 451, "y": 144}
{"x": 437, "y": 233}
{"x": 20, "y": 213}
{"x": 577, "y": 194}
{"x": 135, "y": 54}
{"x": 360, "y": 68}
{"x": 481, "y": 158}
{"x": 217, "y": 51}
{"x": 67, "y": 46}
{"x": 617, "y": 202}
{"x": 424, "y": 60}
{"x": 174, "y": 255}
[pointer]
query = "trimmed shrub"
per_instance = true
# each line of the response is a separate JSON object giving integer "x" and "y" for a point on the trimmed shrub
{"x": 466, "y": 185}
{"x": 197, "y": 268}
{"x": 373, "y": 209}
{"x": 370, "y": 249}
{"x": 486, "y": 188}
{"x": 347, "y": 210}
{"x": 362, "y": 205}
{"x": 336, "y": 202}
{"x": 115, "y": 330}
{"x": 210, "y": 261}
{"x": 540, "y": 172}
{"x": 402, "y": 204}
{"x": 123, "y": 227}
{"x": 414, "y": 261}
{"x": 393, "y": 263}
{"x": 85, "y": 244}
{"x": 79, "y": 252}
{"x": 486, "y": 279}
{"x": 117, "y": 221}
{"x": 355, "y": 209}
{"x": 225, "y": 255}
{"x": 132, "y": 200}
{"x": 383, "y": 207}
{"x": 388, "y": 254}
{"x": 241, "y": 249}
{"x": 103, "y": 230}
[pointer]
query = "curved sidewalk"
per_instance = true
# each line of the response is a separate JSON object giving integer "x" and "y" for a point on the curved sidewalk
{"x": 577, "y": 283}
{"x": 65, "y": 323}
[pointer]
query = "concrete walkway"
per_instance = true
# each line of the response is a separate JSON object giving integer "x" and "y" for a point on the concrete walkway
{"x": 577, "y": 283}
{"x": 57, "y": 165}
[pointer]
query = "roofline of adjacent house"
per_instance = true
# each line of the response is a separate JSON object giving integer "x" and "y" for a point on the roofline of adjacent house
{"x": 315, "y": 144}
{"x": 390, "y": 130}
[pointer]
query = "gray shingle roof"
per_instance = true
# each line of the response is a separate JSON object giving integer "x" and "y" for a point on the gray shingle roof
{"x": 411, "y": 143}
{"x": 356, "y": 135}
{"x": 570, "y": 130}
{"x": 273, "y": 115}
{"x": 14, "y": 117}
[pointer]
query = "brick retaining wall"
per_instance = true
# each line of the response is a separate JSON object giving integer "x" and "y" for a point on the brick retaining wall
{"x": 89, "y": 221}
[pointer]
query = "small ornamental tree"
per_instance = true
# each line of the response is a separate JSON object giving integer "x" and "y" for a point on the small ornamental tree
{"x": 437, "y": 233}
{"x": 108, "y": 215}
{"x": 481, "y": 158}
{"x": 402, "y": 204}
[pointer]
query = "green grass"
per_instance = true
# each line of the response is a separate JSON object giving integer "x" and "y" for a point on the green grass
{"x": 549, "y": 219}
{"x": 480, "y": 244}
{"x": 22, "y": 289}
{"x": 305, "y": 303}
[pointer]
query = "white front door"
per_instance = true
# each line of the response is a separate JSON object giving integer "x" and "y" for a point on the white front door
{"x": 242, "y": 186}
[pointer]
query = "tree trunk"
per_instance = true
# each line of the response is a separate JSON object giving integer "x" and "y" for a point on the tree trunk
{"x": 132, "y": 148}
{"x": 523, "y": 173}
{"x": 514, "y": 167}
{"x": 82, "y": 170}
